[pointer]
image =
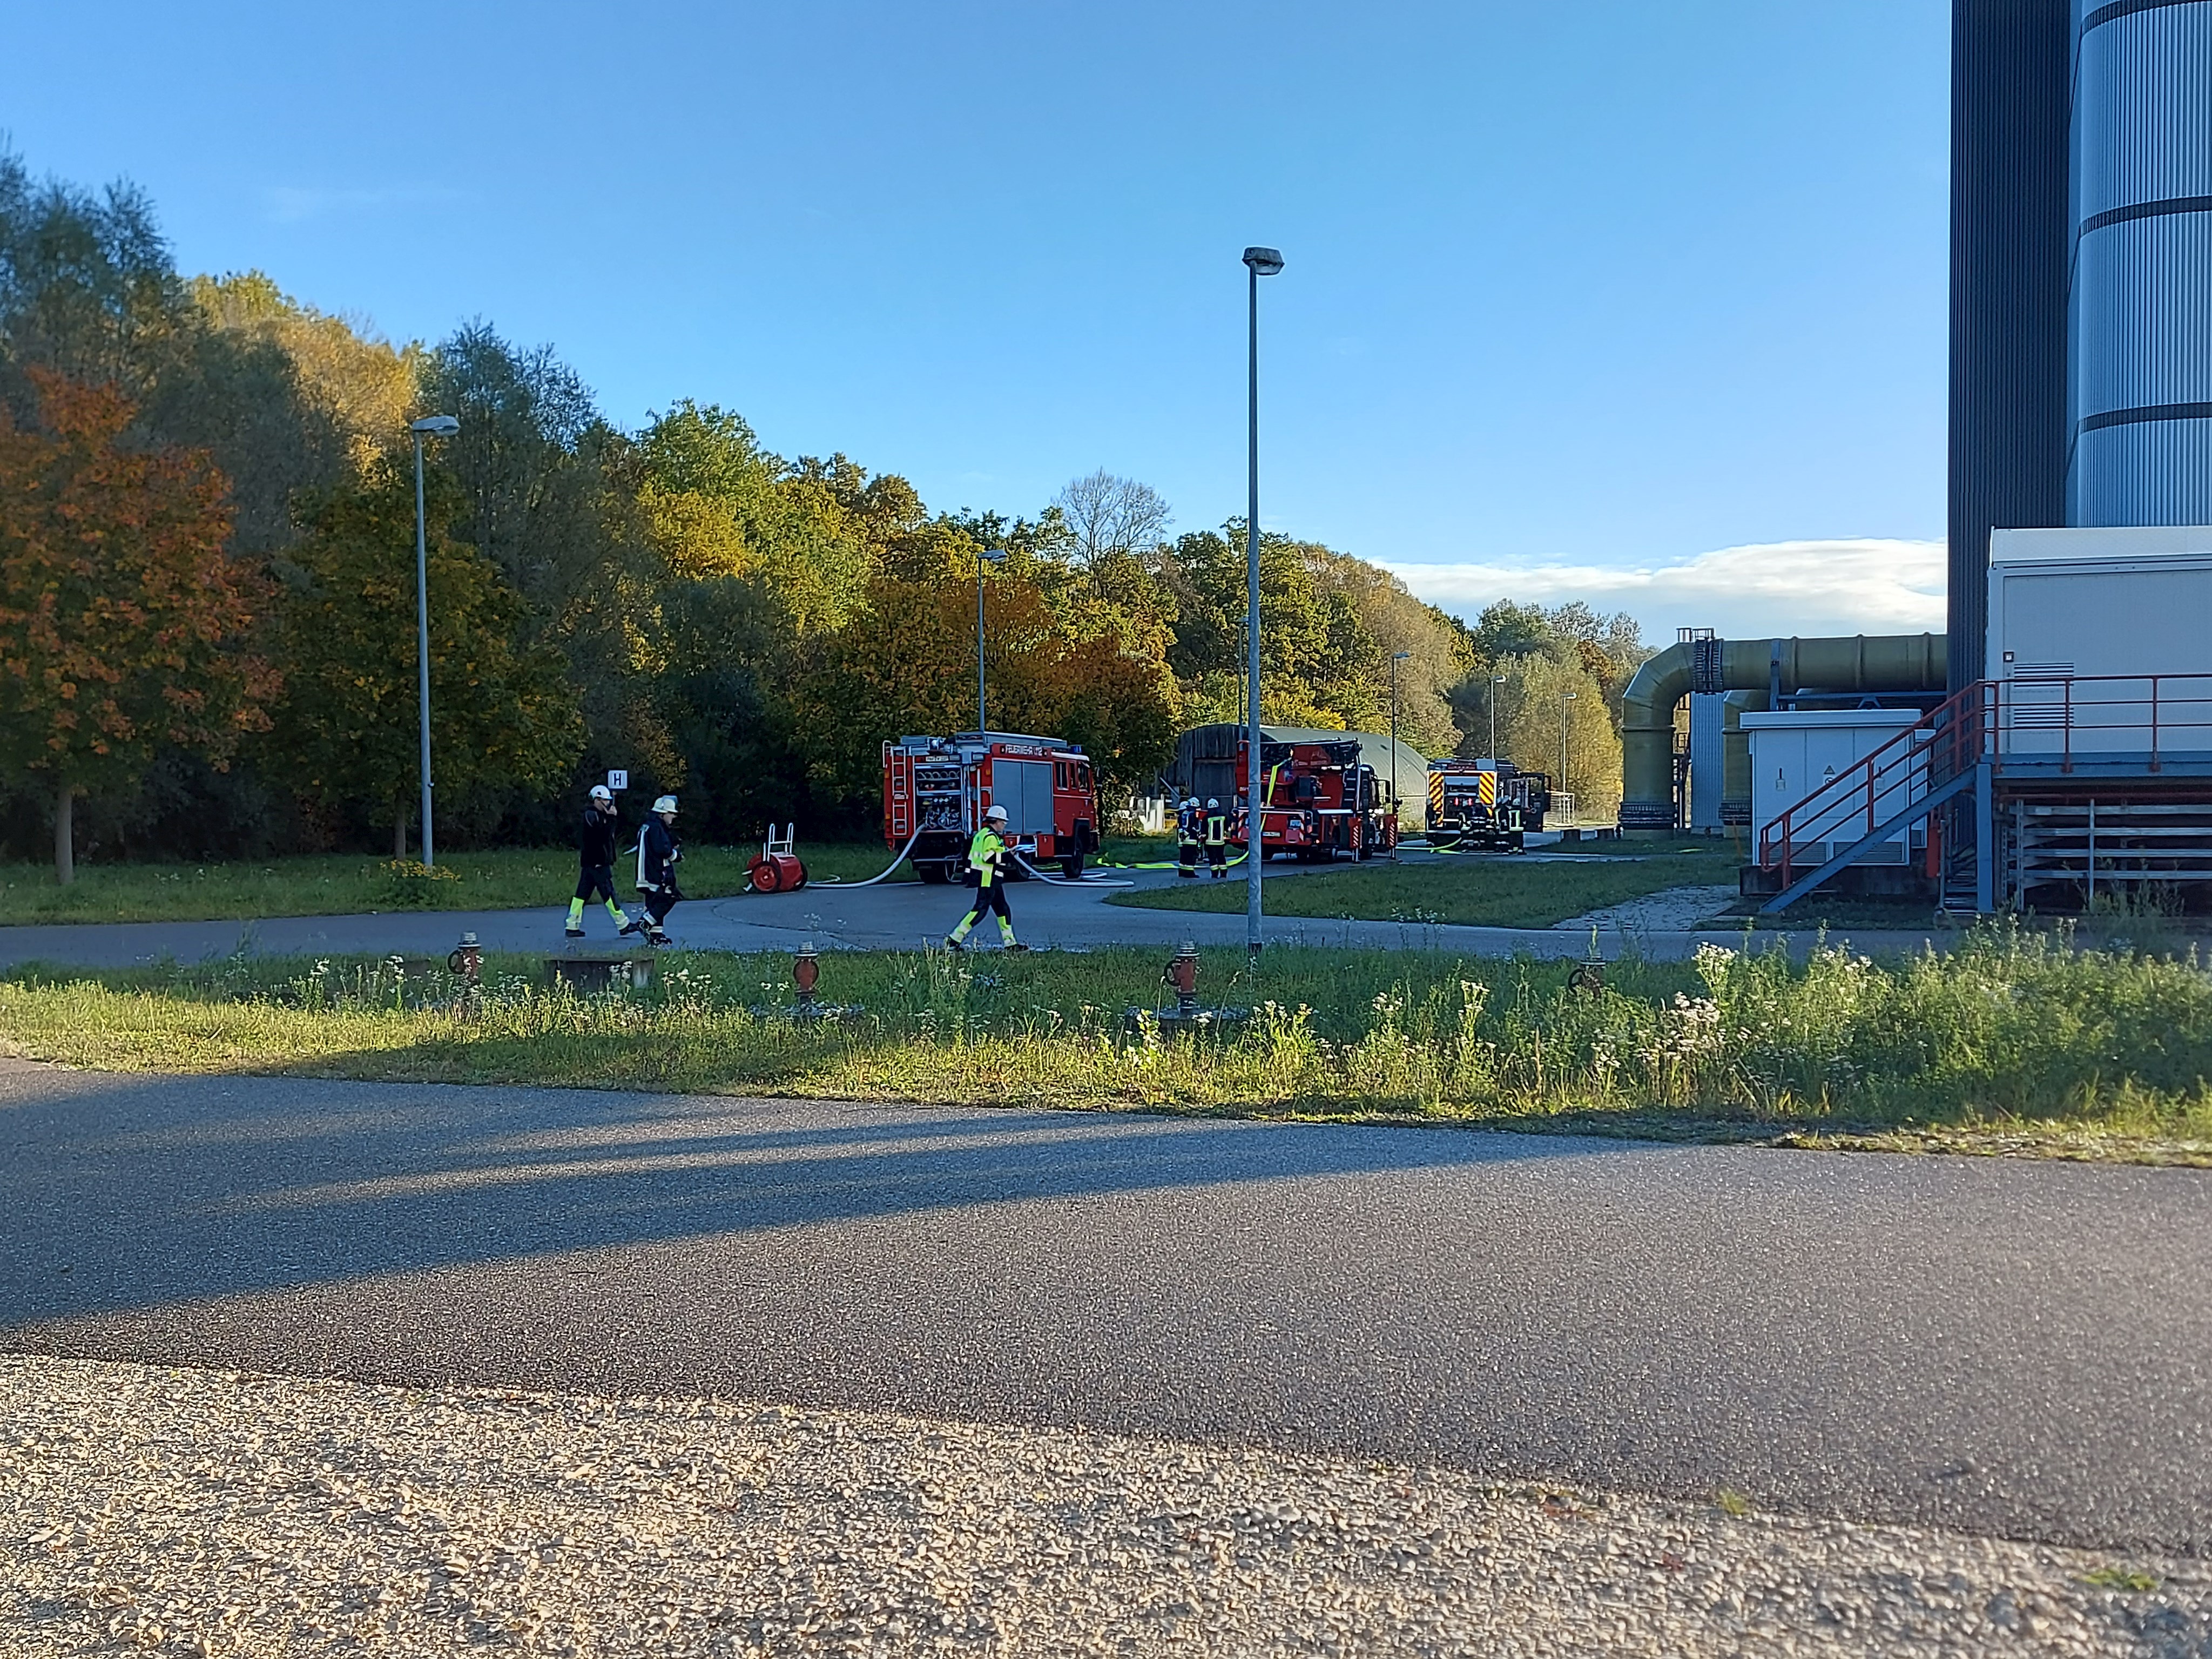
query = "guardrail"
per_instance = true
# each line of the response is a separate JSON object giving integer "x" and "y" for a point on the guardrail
{"x": 2143, "y": 719}
{"x": 2149, "y": 717}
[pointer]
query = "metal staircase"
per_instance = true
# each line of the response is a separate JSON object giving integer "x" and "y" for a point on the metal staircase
{"x": 2077, "y": 786}
{"x": 1871, "y": 807}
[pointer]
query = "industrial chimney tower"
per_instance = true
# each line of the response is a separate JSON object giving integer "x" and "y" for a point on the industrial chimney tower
{"x": 2081, "y": 276}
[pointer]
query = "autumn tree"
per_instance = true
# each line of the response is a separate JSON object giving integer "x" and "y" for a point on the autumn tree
{"x": 503, "y": 715}
{"x": 124, "y": 625}
{"x": 906, "y": 663}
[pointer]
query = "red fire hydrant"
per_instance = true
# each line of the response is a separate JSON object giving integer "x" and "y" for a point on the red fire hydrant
{"x": 466, "y": 960}
{"x": 1182, "y": 974}
{"x": 805, "y": 969}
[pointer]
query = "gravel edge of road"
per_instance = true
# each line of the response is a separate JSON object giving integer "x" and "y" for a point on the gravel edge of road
{"x": 209, "y": 1512}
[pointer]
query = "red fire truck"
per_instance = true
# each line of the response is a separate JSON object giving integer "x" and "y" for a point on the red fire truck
{"x": 936, "y": 791}
{"x": 1317, "y": 800}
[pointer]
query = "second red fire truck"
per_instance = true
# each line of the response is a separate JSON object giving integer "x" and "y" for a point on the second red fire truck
{"x": 1317, "y": 800}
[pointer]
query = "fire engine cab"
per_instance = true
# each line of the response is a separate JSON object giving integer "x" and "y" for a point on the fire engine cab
{"x": 1489, "y": 803}
{"x": 936, "y": 791}
{"x": 1317, "y": 801}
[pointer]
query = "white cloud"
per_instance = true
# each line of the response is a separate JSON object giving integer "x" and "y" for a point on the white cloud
{"x": 1865, "y": 585}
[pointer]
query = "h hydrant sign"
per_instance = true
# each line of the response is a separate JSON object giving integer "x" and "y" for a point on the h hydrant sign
{"x": 617, "y": 780}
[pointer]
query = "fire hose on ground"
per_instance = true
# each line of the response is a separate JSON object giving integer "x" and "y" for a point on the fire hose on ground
{"x": 889, "y": 870}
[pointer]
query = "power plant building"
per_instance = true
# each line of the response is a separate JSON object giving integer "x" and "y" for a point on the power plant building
{"x": 2081, "y": 276}
{"x": 2078, "y": 751}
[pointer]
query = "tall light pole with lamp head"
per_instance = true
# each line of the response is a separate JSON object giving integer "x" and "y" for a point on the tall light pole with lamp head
{"x": 430, "y": 426}
{"x": 1564, "y": 699}
{"x": 1258, "y": 262}
{"x": 984, "y": 556}
{"x": 1396, "y": 657}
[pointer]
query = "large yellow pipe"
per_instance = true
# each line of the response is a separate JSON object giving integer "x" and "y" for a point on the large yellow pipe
{"x": 1856, "y": 662}
{"x": 1735, "y": 755}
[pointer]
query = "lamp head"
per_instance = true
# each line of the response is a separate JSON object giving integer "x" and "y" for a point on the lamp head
{"x": 1264, "y": 261}
{"x": 1400, "y": 656}
{"x": 436, "y": 426}
{"x": 992, "y": 555}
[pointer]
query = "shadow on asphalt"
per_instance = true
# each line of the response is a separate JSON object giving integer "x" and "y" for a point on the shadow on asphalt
{"x": 125, "y": 1191}
{"x": 2005, "y": 1347}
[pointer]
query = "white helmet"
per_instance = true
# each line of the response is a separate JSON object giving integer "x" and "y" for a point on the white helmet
{"x": 666, "y": 803}
{"x": 1212, "y": 806}
{"x": 996, "y": 814}
{"x": 601, "y": 792}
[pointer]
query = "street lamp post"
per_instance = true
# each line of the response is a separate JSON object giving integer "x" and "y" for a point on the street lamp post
{"x": 430, "y": 426}
{"x": 1564, "y": 699}
{"x": 983, "y": 557}
{"x": 1396, "y": 657}
{"x": 1496, "y": 680}
{"x": 1258, "y": 262}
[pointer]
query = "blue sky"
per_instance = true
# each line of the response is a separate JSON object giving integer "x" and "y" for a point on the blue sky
{"x": 1583, "y": 298}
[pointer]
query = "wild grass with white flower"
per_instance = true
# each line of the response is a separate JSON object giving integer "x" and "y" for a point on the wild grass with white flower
{"x": 2010, "y": 1040}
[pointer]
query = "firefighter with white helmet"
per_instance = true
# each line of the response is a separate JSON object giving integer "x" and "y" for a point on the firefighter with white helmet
{"x": 985, "y": 855}
{"x": 658, "y": 853}
{"x": 595, "y": 855}
{"x": 1217, "y": 839}
{"x": 1187, "y": 835}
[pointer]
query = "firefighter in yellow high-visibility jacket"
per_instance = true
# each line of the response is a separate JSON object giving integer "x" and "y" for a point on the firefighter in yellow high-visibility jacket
{"x": 985, "y": 855}
{"x": 1217, "y": 839}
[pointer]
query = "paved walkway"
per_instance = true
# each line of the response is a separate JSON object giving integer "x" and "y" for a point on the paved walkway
{"x": 898, "y": 915}
{"x": 2000, "y": 1345}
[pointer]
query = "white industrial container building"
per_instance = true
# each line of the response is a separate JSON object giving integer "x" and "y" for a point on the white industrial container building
{"x": 1798, "y": 752}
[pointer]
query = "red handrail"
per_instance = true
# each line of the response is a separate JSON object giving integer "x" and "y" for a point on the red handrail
{"x": 1984, "y": 718}
{"x": 1944, "y": 732}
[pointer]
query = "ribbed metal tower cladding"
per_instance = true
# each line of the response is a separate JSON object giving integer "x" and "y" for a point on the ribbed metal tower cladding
{"x": 2140, "y": 404}
{"x": 2009, "y": 240}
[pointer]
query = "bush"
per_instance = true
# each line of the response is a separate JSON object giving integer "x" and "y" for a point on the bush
{"x": 410, "y": 884}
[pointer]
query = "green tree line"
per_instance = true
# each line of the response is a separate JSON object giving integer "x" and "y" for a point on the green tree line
{"x": 678, "y": 600}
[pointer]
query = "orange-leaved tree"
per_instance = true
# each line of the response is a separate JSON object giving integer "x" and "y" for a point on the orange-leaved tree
{"x": 124, "y": 626}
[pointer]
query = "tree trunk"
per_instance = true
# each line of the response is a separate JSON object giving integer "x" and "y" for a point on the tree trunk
{"x": 65, "y": 834}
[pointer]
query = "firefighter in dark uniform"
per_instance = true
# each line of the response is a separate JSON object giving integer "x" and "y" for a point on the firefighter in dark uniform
{"x": 985, "y": 855}
{"x": 1187, "y": 834}
{"x": 1217, "y": 839}
{"x": 658, "y": 853}
{"x": 595, "y": 855}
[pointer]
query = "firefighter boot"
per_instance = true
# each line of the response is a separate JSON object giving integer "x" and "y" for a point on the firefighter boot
{"x": 576, "y": 929}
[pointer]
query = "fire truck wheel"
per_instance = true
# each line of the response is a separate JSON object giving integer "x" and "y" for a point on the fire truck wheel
{"x": 1071, "y": 867}
{"x": 935, "y": 871}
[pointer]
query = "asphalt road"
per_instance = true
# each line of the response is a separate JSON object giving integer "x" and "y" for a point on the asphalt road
{"x": 1999, "y": 1345}
{"x": 900, "y": 915}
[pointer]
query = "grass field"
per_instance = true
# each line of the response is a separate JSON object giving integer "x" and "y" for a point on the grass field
{"x": 1480, "y": 891}
{"x": 351, "y": 884}
{"x": 2008, "y": 1043}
